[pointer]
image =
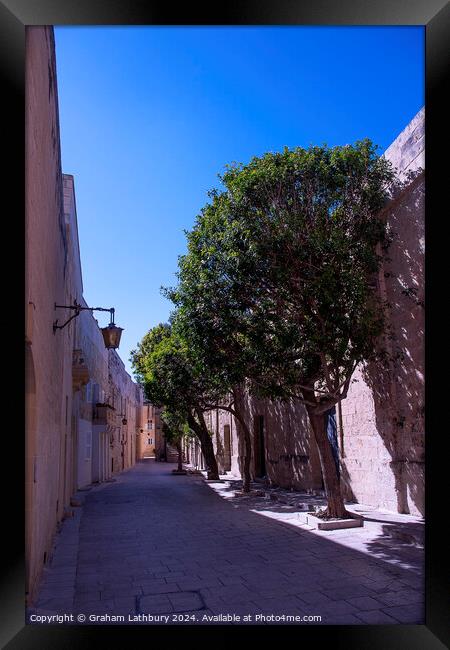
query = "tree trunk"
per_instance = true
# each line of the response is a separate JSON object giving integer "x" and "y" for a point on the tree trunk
{"x": 206, "y": 445}
{"x": 180, "y": 456}
{"x": 246, "y": 478}
{"x": 336, "y": 507}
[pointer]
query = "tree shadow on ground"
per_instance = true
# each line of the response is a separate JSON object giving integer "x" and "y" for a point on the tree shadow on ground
{"x": 396, "y": 542}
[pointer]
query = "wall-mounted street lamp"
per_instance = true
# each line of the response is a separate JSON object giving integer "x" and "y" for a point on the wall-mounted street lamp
{"x": 111, "y": 333}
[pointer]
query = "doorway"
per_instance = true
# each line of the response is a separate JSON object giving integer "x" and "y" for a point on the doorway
{"x": 260, "y": 447}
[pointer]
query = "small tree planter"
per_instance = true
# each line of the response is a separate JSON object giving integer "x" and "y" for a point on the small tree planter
{"x": 333, "y": 524}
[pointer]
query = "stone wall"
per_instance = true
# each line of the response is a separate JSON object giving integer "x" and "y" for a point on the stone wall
{"x": 91, "y": 439}
{"x": 227, "y": 460}
{"x": 48, "y": 354}
{"x": 286, "y": 456}
{"x": 124, "y": 400}
{"x": 90, "y": 347}
{"x": 383, "y": 415}
{"x": 291, "y": 458}
{"x": 150, "y": 430}
{"x": 63, "y": 367}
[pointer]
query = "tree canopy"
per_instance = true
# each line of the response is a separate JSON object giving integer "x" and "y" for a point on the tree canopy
{"x": 277, "y": 285}
{"x": 278, "y": 269}
{"x": 173, "y": 378}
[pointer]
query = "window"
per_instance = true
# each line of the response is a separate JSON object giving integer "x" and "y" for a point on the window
{"x": 149, "y": 425}
{"x": 150, "y": 441}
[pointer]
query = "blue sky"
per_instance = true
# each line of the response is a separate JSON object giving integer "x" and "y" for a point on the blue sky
{"x": 150, "y": 115}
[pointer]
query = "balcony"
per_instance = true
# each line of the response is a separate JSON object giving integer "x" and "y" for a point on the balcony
{"x": 104, "y": 414}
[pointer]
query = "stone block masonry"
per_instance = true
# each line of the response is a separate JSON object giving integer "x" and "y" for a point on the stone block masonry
{"x": 383, "y": 415}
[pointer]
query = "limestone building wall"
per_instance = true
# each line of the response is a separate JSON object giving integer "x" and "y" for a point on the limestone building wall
{"x": 123, "y": 398}
{"x": 91, "y": 432}
{"x": 383, "y": 415}
{"x": 68, "y": 372}
{"x": 89, "y": 354}
{"x": 49, "y": 461}
{"x": 282, "y": 448}
{"x": 139, "y": 422}
{"x": 223, "y": 428}
{"x": 150, "y": 431}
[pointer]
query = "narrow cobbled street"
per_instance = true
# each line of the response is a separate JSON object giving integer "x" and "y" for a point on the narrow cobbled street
{"x": 158, "y": 548}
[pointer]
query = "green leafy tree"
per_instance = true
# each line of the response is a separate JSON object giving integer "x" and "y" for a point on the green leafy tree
{"x": 164, "y": 367}
{"x": 276, "y": 285}
{"x": 178, "y": 374}
{"x": 223, "y": 371}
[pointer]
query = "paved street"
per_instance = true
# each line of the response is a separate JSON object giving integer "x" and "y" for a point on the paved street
{"x": 162, "y": 545}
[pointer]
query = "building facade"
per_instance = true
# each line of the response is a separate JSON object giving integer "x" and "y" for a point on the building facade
{"x": 383, "y": 428}
{"x": 81, "y": 407}
{"x": 283, "y": 451}
{"x": 49, "y": 358}
{"x": 151, "y": 443}
{"x": 124, "y": 420}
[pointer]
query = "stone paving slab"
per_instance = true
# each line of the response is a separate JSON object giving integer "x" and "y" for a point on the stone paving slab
{"x": 150, "y": 543}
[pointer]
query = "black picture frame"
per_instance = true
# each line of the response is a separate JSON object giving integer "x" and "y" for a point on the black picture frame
{"x": 15, "y": 15}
